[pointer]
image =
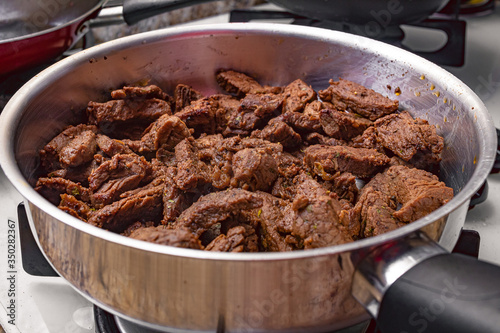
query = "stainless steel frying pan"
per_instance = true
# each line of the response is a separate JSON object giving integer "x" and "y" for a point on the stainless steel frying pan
{"x": 181, "y": 289}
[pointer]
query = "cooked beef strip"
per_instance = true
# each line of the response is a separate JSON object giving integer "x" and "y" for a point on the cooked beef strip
{"x": 112, "y": 146}
{"x": 367, "y": 140}
{"x": 145, "y": 205}
{"x": 413, "y": 140}
{"x": 254, "y": 111}
{"x": 217, "y": 208}
{"x": 343, "y": 125}
{"x": 312, "y": 218}
{"x": 166, "y": 132}
{"x": 398, "y": 195}
{"x": 269, "y": 217}
{"x": 74, "y": 146}
{"x": 191, "y": 172}
{"x": 227, "y": 107}
{"x": 147, "y": 92}
{"x": 200, "y": 115}
{"x": 121, "y": 173}
{"x": 304, "y": 122}
{"x": 241, "y": 238}
{"x": 75, "y": 207}
{"x": 239, "y": 84}
{"x": 126, "y": 118}
{"x": 343, "y": 184}
{"x": 350, "y": 96}
{"x": 165, "y": 236}
{"x": 254, "y": 169}
{"x": 184, "y": 95}
{"x": 279, "y": 131}
{"x": 328, "y": 160}
{"x": 81, "y": 173}
{"x": 314, "y": 138}
{"x": 297, "y": 94}
{"x": 51, "y": 189}
{"x": 288, "y": 165}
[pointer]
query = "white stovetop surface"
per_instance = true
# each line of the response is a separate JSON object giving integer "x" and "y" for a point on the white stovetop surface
{"x": 48, "y": 304}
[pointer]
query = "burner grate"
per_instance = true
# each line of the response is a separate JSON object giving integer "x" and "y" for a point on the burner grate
{"x": 452, "y": 53}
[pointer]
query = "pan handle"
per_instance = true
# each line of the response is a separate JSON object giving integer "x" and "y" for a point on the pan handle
{"x": 439, "y": 292}
{"x": 137, "y": 10}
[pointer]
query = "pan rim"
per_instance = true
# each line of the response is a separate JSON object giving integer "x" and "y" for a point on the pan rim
{"x": 10, "y": 118}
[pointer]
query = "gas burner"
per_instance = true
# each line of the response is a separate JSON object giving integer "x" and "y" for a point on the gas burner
{"x": 452, "y": 53}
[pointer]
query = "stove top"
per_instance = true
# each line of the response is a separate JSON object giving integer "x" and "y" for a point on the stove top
{"x": 34, "y": 299}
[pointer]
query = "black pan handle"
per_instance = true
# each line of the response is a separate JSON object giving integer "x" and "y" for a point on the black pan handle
{"x": 137, "y": 10}
{"x": 496, "y": 165}
{"x": 445, "y": 293}
{"x": 414, "y": 285}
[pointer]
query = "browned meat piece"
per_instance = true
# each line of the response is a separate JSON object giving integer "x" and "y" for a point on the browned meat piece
{"x": 164, "y": 133}
{"x": 227, "y": 107}
{"x": 191, "y": 172}
{"x": 213, "y": 151}
{"x": 413, "y": 140}
{"x": 269, "y": 217}
{"x": 254, "y": 111}
{"x": 112, "y": 146}
{"x": 343, "y": 184}
{"x": 52, "y": 188}
{"x": 216, "y": 209}
{"x": 126, "y": 118}
{"x": 184, "y": 95}
{"x": 145, "y": 205}
{"x": 288, "y": 165}
{"x": 273, "y": 148}
{"x": 146, "y": 92}
{"x": 320, "y": 139}
{"x": 279, "y": 131}
{"x": 373, "y": 214}
{"x": 367, "y": 140}
{"x": 175, "y": 201}
{"x": 75, "y": 207}
{"x": 121, "y": 173}
{"x": 343, "y": 125}
{"x": 137, "y": 225}
{"x": 418, "y": 191}
{"x": 165, "y": 236}
{"x": 240, "y": 84}
{"x": 200, "y": 115}
{"x": 398, "y": 195}
{"x": 312, "y": 218}
{"x": 307, "y": 121}
{"x": 73, "y": 147}
{"x": 349, "y": 96}
{"x": 241, "y": 238}
{"x": 254, "y": 169}
{"x": 297, "y": 94}
{"x": 328, "y": 160}
{"x": 79, "y": 174}
{"x": 207, "y": 145}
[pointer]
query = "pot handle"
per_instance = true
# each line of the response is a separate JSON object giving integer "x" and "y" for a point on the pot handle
{"x": 441, "y": 293}
{"x": 137, "y": 10}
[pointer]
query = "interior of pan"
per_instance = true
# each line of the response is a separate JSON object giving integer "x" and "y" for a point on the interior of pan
{"x": 274, "y": 54}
